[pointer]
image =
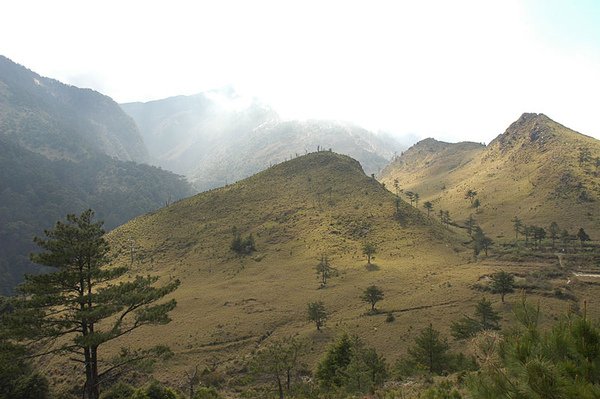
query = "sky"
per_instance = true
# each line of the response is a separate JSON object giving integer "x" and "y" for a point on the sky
{"x": 453, "y": 70}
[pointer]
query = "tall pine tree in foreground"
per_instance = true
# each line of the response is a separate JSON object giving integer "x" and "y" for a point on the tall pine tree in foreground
{"x": 81, "y": 306}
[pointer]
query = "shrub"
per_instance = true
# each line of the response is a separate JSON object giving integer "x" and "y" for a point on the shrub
{"x": 207, "y": 393}
{"x": 155, "y": 390}
{"x": 120, "y": 390}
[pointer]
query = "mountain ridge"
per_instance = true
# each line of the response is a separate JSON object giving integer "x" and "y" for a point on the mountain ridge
{"x": 532, "y": 171}
{"x": 64, "y": 121}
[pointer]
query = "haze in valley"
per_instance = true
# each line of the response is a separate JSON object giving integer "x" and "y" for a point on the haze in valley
{"x": 460, "y": 70}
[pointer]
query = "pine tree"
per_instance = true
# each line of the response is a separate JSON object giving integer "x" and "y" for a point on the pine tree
{"x": 349, "y": 364}
{"x": 372, "y": 295}
{"x": 582, "y": 236}
{"x": 485, "y": 318}
{"x": 241, "y": 245}
{"x": 470, "y": 224}
{"x": 430, "y": 351}
{"x": 486, "y": 315}
{"x": 429, "y": 206}
{"x": 317, "y": 313}
{"x": 324, "y": 270}
{"x": 397, "y": 187}
{"x": 330, "y": 370}
{"x": 565, "y": 237}
{"x": 527, "y": 231}
{"x": 502, "y": 283}
{"x": 529, "y": 362}
{"x": 369, "y": 250}
{"x": 18, "y": 377}
{"x": 79, "y": 307}
{"x": 517, "y": 225}
{"x": 366, "y": 369}
{"x": 411, "y": 196}
{"x": 470, "y": 195}
{"x": 539, "y": 233}
{"x": 236, "y": 242}
{"x": 278, "y": 361}
{"x": 481, "y": 241}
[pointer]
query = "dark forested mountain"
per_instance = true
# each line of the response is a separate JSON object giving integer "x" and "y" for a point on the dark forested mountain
{"x": 216, "y": 137}
{"x": 61, "y": 121}
{"x": 63, "y": 150}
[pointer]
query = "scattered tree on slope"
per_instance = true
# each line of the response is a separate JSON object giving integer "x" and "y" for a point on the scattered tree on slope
{"x": 279, "y": 361}
{"x": 486, "y": 318}
{"x": 324, "y": 270}
{"x": 369, "y": 249}
{"x": 317, "y": 313}
{"x": 372, "y": 295}
{"x": 470, "y": 195}
{"x": 428, "y": 206}
{"x": 502, "y": 283}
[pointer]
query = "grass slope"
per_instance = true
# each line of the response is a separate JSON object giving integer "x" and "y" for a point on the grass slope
{"x": 230, "y": 305}
{"x": 531, "y": 171}
{"x": 297, "y": 210}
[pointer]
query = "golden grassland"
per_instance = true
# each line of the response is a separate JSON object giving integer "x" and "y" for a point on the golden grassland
{"x": 320, "y": 203}
{"x": 531, "y": 171}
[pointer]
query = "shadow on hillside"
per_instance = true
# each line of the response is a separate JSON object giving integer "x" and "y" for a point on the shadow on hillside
{"x": 372, "y": 267}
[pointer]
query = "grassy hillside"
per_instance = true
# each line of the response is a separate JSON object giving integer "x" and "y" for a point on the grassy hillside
{"x": 532, "y": 171}
{"x": 321, "y": 203}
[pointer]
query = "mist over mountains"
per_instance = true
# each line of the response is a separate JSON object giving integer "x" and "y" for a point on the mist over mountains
{"x": 217, "y": 137}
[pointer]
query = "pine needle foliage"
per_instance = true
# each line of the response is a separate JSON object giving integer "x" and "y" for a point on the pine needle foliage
{"x": 530, "y": 363}
{"x": 85, "y": 303}
{"x": 352, "y": 367}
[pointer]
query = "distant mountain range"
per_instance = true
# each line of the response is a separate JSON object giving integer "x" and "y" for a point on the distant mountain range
{"x": 215, "y": 138}
{"x": 63, "y": 150}
{"x": 537, "y": 170}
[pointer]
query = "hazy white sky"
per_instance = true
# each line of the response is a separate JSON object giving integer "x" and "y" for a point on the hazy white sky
{"x": 454, "y": 70}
